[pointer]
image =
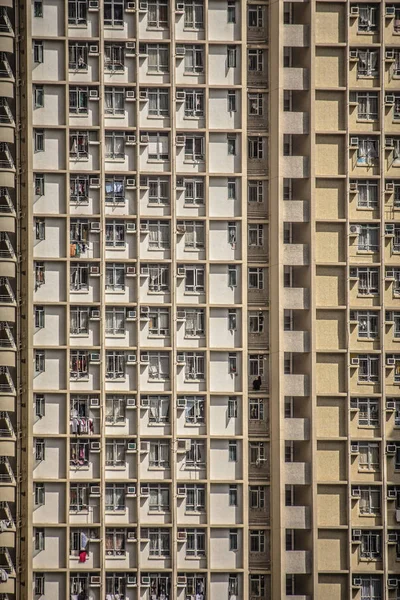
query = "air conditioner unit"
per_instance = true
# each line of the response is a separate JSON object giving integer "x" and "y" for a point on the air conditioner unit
{"x": 94, "y": 182}
{"x": 145, "y": 491}
{"x": 144, "y": 311}
{"x": 389, "y": 229}
{"x": 131, "y": 580}
{"x": 392, "y": 538}
{"x": 390, "y": 11}
{"x": 144, "y": 360}
{"x": 130, "y": 271}
{"x": 145, "y": 581}
{"x": 181, "y": 315}
{"x": 130, "y": 6}
{"x": 130, "y": 227}
{"x": 130, "y": 140}
{"x": 389, "y": 316}
{"x": 389, "y": 55}
{"x": 392, "y": 582}
{"x": 95, "y": 580}
{"x": 131, "y": 315}
{"x": 94, "y": 357}
{"x": 354, "y": 11}
{"x": 355, "y": 362}
{"x": 131, "y": 491}
{"x": 181, "y": 492}
{"x": 181, "y": 580}
{"x": 142, "y": 6}
{"x": 391, "y": 448}
{"x": 180, "y": 51}
{"x": 181, "y": 271}
{"x": 357, "y": 582}
{"x": 389, "y": 187}
{"x": 132, "y": 536}
{"x": 131, "y": 182}
{"x": 131, "y": 447}
{"x": 353, "y": 273}
{"x": 144, "y": 227}
{"x": 181, "y": 402}
{"x": 356, "y": 535}
{"x": 181, "y": 359}
{"x": 144, "y": 447}
{"x": 93, "y": 50}
{"x": 95, "y": 446}
{"x": 94, "y": 314}
{"x": 398, "y": 515}
{"x": 93, "y": 5}
{"x": 95, "y": 226}
{"x": 181, "y": 228}
{"x": 390, "y": 361}
{"x": 390, "y": 405}
{"x": 145, "y": 400}
{"x": 353, "y": 229}
{"x": 180, "y": 96}
{"x": 94, "y": 402}
{"x": 184, "y": 445}
{"x": 94, "y": 490}
{"x": 180, "y": 140}
{"x": 93, "y": 94}
{"x": 130, "y": 48}
{"x": 94, "y": 270}
{"x": 131, "y": 403}
{"x": 353, "y": 54}
{"x": 180, "y": 7}
{"x": 143, "y": 95}
{"x": 389, "y": 143}
{"x": 354, "y": 142}
{"x": 131, "y": 359}
{"x": 391, "y": 494}
{"x": 181, "y": 536}
{"x": 354, "y": 448}
{"x": 180, "y": 183}
{"x": 353, "y": 186}
{"x": 129, "y": 95}
{"x": 144, "y": 139}
{"x": 389, "y": 99}
{"x": 389, "y": 274}
{"x": 355, "y": 492}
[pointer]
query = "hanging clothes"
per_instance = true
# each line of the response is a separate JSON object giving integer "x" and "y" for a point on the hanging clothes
{"x": 82, "y": 556}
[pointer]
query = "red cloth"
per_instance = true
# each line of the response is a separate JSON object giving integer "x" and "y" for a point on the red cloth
{"x": 82, "y": 556}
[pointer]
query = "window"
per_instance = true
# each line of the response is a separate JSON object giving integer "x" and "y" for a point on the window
{"x": 196, "y": 455}
{"x": 231, "y": 139}
{"x": 79, "y": 453}
{"x": 370, "y": 545}
{"x": 194, "y": 14}
{"x": 38, "y": 8}
{"x": 158, "y": 322}
{"x": 40, "y": 274}
{"x": 255, "y": 60}
{"x": 367, "y": 18}
{"x": 158, "y": 278}
{"x": 39, "y": 584}
{"x": 115, "y": 409}
{"x": 370, "y": 500}
{"x": 115, "y": 453}
{"x": 40, "y": 229}
{"x": 258, "y": 453}
{"x": 368, "y": 280}
{"x": 79, "y": 367}
{"x": 195, "y": 365}
{"x": 77, "y": 12}
{"x": 368, "y": 411}
{"x": 38, "y": 96}
{"x": 194, "y": 279}
{"x": 194, "y": 148}
{"x": 233, "y": 495}
{"x": 79, "y": 320}
{"x": 194, "y": 322}
{"x": 195, "y": 498}
{"x": 159, "y": 454}
{"x": 368, "y": 456}
{"x": 158, "y": 58}
{"x": 232, "y": 101}
{"x": 158, "y": 102}
{"x": 115, "y": 542}
{"x": 367, "y": 105}
{"x": 257, "y": 409}
{"x": 39, "y": 314}
{"x": 78, "y": 100}
{"x": 231, "y": 189}
{"x": 255, "y": 191}
{"x": 231, "y": 57}
{"x": 233, "y": 585}
{"x": 194, "y": 191}
{"x": 257, "y": 497}
{"x": 232, "y": 276}
{"x": 255, "y": 147}
{"x": 368, "y": 238}
{"x": 367, "y": 65}
{"x": 40, "y": 363}
{"x": 157, "y": 14}
{"x": 159, "y": 498}
{"x": 194, "y": 59}
{"x": 396, "y": 109}
{"x": 114, "y": 101}
{"x": 38, "y": 57}
{"x": 232, "y": 363}
{"x": 255, "y": 105}
{"x": 195, "y": 584}
{"x": 371, "y": 587}
{"x": 115, "y": 364}
{"x": 256, "y": 278}
{"x": 396, "y": 329}
{"x": 158, "y": 146}
{"x": 115, "y": 189}
{"x": 232, "y": 319}
{"x": 232, "y": 407}
{"x": 195, "y": 542}
{"x": 38, "y": 135}
{"x": 194, "y": 234}
{"x": 40, "y": 449}
{"x": 255, "y": 15}
{"x": 232, "y": 451}
{"x": 256, "y": 235}
{"x": 39, "y": 492}
{"x": 115, "y": 234}
{"x": 79, "y": 189}
{"x": 77, "y": 56}
{"x": 256, "y": 322}
{"x": 368, "y": 369}
{"x": 115, "y": 277}
{"x": 158, "y": 190}
{"x": 158, "y": 365}
{"x": 159, "y": 237}
{"x": 195, "y": 410}
{"x": 114, "y": 13}
{"x": 231, "y": 14}
{"x": 257, "y": 586}
{"x": 159, "y": 409}
{"x": 367, "y": 151}
{"x": 367, "y": 193}
{"x": 39, "y": 538}
{"x": 79, "y": 276}
{"x": 233, "y": 540}
{"x": 78, "y": 497}
{"x": 115, "y": 320}
{"x": 39, "y": 182}
{"x": 257, "y": 540}
{"x": 367, "y": 324}
{"x": 79, "y": 145}
{"x": 114, "y": 57}
{"x": 79, "y": 584}
{"x": 115, "y": 497}
{"x": 194, "y": 103}
{"x": 115, "y": 145}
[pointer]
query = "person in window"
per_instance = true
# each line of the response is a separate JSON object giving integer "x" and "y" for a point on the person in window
{"x": 257, "y": 383}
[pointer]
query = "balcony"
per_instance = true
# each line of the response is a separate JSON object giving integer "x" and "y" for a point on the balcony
{"x": 6, "y": 382}
{"x": 258, "y": 341}
{"x": 6, "y": 562}
{"x": 5, "y": 23}
{"x": 6, "y": 516}
{"x": 259, "y": 471}
{"x": 296, "y": 341}
{"x": 6, "y": 427}
{"x": 298, "y": 561}
{"x": 6, "y": 472}
{"x": 297, "y": 517}
{"x": 297, "y": 429}
{"x": 259, "y": 560}
{"x": 295, "y": 254}
{"x": 296, "y": 298}
{"x": 259, "y": 516}
{"x": 295, "y": 167}
{"x": 6, "y": 204}
{"x": 295, "y": 122}
{"x": 296, "y": 385}
{"x": 295, "y": 78}
{"x": 5, "y": 69}
{"x": 257, "y": 427}
{"x": 296, "y": 36}
{"x": 297, "y": 473}
{"x": 254, "y": 385}
{"x": 257, "y": 253}
{"x": 6, "y": 292}
{"x": 6, "y": 248}
{"x": 6, "y": 159}
{"x": 296, "y": 211}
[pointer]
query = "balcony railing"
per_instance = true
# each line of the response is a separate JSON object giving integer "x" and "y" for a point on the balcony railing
{"x": 6, "y": 291}
{"x": 6, "y": 472}
{"x": 6, "y": 427}
{"x": 5, "y": 69}
{"x": 5, "y": 23}
{"x": 6, "y": 204}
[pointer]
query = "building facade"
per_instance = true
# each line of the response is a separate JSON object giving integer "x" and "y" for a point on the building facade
{"x": 200, "y": 300}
